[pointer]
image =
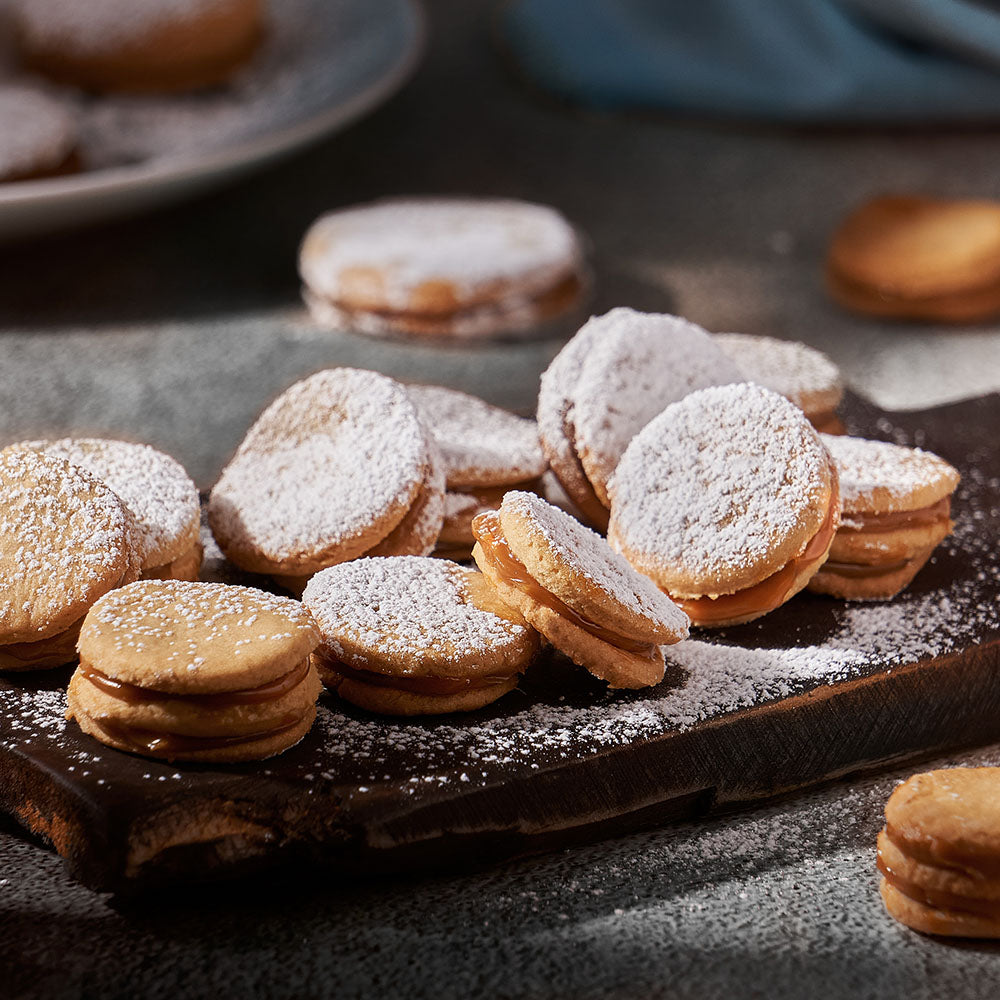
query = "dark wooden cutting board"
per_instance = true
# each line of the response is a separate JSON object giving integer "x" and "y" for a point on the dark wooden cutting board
{"x": 816, "y": 690}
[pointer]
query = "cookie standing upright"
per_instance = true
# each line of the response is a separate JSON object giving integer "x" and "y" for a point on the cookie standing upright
{"x": 729, "y": 501}
{"x": 195, "y": 672}
{"x": 40, "y": 138}
{"x": 65, "y": 540}
{"x": 896, "y": 511}
{"x": 416, "y": 636}
{"x": 583, "y": 597}
{"x": 441, "y": 267}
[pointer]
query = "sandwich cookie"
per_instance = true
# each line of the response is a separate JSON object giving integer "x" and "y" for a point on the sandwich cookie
{"x": 441, "y": 267}
{"x": 39, "y": 136}
{"x": 155, "y": 488}
{"x": 631, "y": 366}
{"x": 138, "y": 45}
{"x": 729, "y": 501}
{"x": 65, "y": 540}
{"x": 486, "y": 451}
{"x": 583, "y": 597}
{"x": 195, "y": 672}
{"x": 939, "y": 853}
{"x": 338, "y": 466}
{"x": 918, "y": 258}
{"x": 415, "y": 636}
{"x": 896, "y": 511}
{"x": 800, "y": 373}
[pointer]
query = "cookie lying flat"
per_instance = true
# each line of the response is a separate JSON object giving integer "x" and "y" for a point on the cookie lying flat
{"x": 65, "y": 540}
{"x": 896, "y": 511}
{"x": 800, "y": 373}
{"x": 584, "y": 598}
{"x": 155, "y": 488}
{"x": 39, "y": 136}
{"x": 918, "y": 258}
{"x": 415, "y": 636}
{"x": 138, "y": 45}
{"x": 330, "y": 470}
{"x": 729, "y": 501}
{"x": 441, "y": 267}
{"x": 939, "y": 853}
{"x": 195, "y": 672}
{"x": 629, "y": 367}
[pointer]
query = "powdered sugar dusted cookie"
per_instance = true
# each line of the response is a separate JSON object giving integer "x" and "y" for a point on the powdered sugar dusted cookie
{"x": 155, "y": 488}
{"x": 440, "y": 266}
{"x": 39, "y": 135}
{"x": 65, "y": 540}
{"x": 195, "y": 671}
{"x": 800, "y": 373}
{"x": 415, "y": 636}
{"x": 728, "y": 500}
{"x": 896, "y": 511}
{"x": 583, "y": 597}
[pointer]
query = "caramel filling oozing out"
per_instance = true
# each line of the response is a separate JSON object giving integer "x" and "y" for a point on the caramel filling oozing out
{"x": 864, "y": 571}
{"x": 925, "y": 517}
{"x": 132, "y": 694}
{"x": 437, "y": 687}
{"x": 769, "y": 593}
{"x": 828, "y": 422}
{"x": 510, "y": 570}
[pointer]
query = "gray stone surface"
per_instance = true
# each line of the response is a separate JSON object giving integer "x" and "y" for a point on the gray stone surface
{"x": 179, "y": 327}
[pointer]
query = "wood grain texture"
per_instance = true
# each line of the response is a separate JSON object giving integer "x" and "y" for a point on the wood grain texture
{"x": 816, "y": 690}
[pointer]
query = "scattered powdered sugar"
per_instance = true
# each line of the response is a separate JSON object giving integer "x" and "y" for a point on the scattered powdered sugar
{"x": 893, "y": 472}
{"x": 588, "y": 555}
{"x": 36, "y": 132}
{"x": 801, "y": 373}
{"x": 717, "y": 482}
{"x": 154, "y": 487}
{"x": 482, "y": 445}
{"x": 471, "y": 244}
{"x": 404, "y": 607}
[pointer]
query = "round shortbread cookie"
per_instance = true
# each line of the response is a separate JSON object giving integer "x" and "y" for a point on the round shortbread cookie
{"x": 868, "y": 586}
{"x": 930, "y": 920}
{"x": 329, "y": 469}
{"x": 65, "y": 539}
{"x": 798, "y": 372}
{"x": 39, "y": 135}
{"x": 721, "y": 491}
{"x": 155, "y": 488}
{"x": 482, "y": 445}
{"x": 138, "y": 45}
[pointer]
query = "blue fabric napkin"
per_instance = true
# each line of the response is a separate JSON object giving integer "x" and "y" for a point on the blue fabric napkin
{"x": 788, "y": 60}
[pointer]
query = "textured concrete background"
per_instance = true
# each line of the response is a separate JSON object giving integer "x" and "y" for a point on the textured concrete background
{"x": 179, "y": 327}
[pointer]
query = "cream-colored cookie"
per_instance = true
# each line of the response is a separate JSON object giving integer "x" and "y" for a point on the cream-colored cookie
{"x": 931, "y": 920}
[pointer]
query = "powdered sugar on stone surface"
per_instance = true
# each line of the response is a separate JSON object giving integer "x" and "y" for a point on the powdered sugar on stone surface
{"x": 481, "y": 445}
{"x": 36, "y": 131}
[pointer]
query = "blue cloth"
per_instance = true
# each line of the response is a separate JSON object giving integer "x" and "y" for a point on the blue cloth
{"x": 787, "y": 60}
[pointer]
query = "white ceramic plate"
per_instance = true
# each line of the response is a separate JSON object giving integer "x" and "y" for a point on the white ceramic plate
{"x": 324, "y": 64}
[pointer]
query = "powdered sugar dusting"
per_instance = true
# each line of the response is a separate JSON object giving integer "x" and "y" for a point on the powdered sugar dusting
{"x": 481, "y": 445}
{"x": 38, "y": 132}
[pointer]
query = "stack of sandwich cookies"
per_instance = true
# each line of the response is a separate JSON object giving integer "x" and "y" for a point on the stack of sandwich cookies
{"x": 896, "y": 511}
{"x": 39, "y": 136}
{"x": 729, "y": 501}
{"x": 583, "y": 597}
{"x": 329, "y": 472}
{"x": 441, "y": 267}
{"x": 65, "y": 540}
{"x": 195, "y": 672}
{"x": 907, "y": 257}
{"x": 486, "y": 451}
{"x": 415, "y": 636}
{"x": 155, "y": 488}
{"x": 939, "y": 853}
{"x": 626, "y": 369}
{"x": 800, "y": 373}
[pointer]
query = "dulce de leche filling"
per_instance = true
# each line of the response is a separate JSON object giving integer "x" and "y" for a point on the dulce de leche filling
{"x": 769, "y": 593}
{"x": 925, "y": 517}
{"x": 510, "y": 570}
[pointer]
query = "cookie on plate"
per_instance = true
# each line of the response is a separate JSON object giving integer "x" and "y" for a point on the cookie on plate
{"x": 195, "y": 672}
{"x": 896, "y": 511}
{"x": 65, "y": 540}
{"x": 583, "y": 597}
{"x": 39, "y": 135}
{"x": 416, "y": 636}
{"x": 441, "y": 267}
{"x": 729, "y": 501}
{"x": 607, "y": 383}
{"x": 138, "y": 45}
